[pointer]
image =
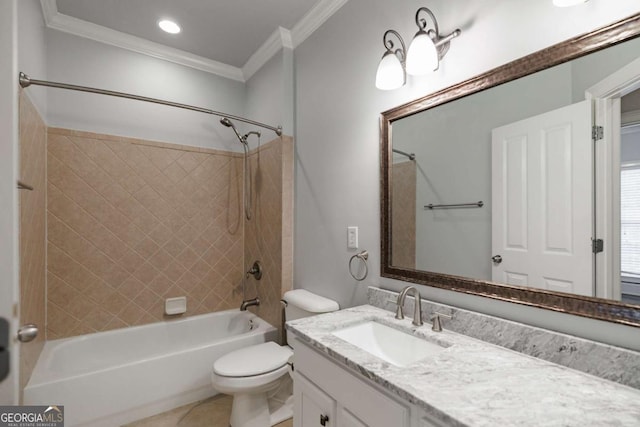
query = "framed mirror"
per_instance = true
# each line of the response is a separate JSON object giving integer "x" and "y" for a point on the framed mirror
{"x": 520, "y": 184}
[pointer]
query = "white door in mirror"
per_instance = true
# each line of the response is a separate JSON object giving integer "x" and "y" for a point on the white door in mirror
{"x": 542, "y": 191}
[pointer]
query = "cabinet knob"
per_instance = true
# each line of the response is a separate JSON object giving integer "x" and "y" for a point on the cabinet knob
{"x": 324, "y": 420}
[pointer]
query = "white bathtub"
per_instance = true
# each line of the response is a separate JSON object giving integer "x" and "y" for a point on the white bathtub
{"x": 110, "y": 378}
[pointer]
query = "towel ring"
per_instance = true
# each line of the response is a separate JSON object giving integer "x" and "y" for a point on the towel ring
{"x": 364, "y": 256}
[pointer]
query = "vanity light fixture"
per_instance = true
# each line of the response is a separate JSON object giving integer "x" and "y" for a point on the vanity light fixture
{"x": 169, "y": 26}
{"x": 428, "y": 47}
{"x": 568, "y": 3}
{"x": 391, "y": 70}
{"x": 424, "y": 55}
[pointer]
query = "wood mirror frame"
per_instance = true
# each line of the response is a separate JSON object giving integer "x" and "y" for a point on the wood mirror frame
{"x": 597, "y": 308}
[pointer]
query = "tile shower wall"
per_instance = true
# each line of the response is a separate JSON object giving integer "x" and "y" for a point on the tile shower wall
{"x": 132, "y": 222}
{"x": 33, "y": 159}
{"x": 403, "y": 210}
{"x": 269, "y": 234}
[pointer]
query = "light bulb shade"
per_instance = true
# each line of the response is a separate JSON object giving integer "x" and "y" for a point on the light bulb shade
{"x": 422, "y": 57}
{"x": 390, "y": 73}
{"x": 568, "y": 3}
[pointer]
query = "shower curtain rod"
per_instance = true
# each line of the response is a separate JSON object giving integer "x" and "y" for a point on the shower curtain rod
{"x": 26, "y": 81}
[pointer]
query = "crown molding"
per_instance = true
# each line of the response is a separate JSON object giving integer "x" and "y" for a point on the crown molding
{"x": 49, "y": 10}
{"x": 317, "y": 16}
{"x": 78, "y": 27}
{"x": 281, "y": 38}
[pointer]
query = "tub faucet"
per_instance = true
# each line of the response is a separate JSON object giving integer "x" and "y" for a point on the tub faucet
{"x": 417, "y": 305}
{"x": 248, "y": 303}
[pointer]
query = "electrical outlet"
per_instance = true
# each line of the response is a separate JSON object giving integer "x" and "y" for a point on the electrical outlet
{"x": 352, "y": 237}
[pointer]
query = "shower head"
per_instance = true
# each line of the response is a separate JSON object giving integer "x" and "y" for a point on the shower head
{"x": 228, "y": 123}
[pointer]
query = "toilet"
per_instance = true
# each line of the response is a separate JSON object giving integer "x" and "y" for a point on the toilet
{"x": 258, "y": 377}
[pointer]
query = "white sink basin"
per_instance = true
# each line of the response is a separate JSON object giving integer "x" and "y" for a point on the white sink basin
{"x": 389, "y": 344}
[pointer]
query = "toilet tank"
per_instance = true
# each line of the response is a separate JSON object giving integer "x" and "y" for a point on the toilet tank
{"x": 302, "y": 303}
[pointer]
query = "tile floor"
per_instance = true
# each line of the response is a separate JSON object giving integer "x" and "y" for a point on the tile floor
{"x": 213, "y": 412}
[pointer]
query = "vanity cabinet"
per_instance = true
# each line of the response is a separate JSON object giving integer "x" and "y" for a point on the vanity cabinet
{"x": 326, "y": 394}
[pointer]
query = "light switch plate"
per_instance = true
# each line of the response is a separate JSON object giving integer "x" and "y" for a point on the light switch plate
{"x": 352, "y": 237}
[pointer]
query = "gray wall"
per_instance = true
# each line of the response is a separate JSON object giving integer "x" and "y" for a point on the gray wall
{"x": 32, "y": 49}
{"x": 590, "y": 69}
{"x": 337, "y": 136}
{"x": 270, "y": 93}
{"x": 81, "y": 61}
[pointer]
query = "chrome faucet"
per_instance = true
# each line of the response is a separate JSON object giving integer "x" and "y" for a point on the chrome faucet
{"x": 249, "y": 303}
{"x": 417, "y": 305}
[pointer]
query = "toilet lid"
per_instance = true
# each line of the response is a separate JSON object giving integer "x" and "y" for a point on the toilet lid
{"x": 253, "y": 360}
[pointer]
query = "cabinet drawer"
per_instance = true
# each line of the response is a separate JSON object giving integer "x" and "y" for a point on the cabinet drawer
{"x": 367, "y": 403}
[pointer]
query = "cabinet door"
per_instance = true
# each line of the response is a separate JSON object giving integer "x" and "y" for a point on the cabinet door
{"x": 372, "y": 407}
{"x": 312, "y": 406}
{"x": 347, "y": 419}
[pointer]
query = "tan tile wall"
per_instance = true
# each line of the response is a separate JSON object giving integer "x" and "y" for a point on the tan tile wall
{"x": 33, "y": 159}
{"x": 269, "y": 234}
{"x": 133, "y": 222}
{"x": 403, "y": 213}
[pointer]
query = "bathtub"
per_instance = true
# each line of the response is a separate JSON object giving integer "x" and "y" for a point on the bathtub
{"x": 110, "y": 378}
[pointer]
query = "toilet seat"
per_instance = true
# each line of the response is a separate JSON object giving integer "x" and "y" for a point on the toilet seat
{"x": 258, "y": 368}
{"x": 255, "y": 384}
{"x": 256, "y": 360}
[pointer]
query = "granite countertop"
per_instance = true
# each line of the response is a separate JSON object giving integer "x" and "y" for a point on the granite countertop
{"x": 473, "y": 383}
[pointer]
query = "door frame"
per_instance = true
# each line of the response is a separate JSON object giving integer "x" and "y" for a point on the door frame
{"x": 9, "y": 215}
{"x": 605, "y": 96}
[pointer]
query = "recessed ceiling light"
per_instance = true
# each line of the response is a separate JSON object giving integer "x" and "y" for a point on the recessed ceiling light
{"x": 169, "y": 26}
{"x": 567, "y": 3}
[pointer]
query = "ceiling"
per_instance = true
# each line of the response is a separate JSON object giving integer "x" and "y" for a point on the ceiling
{"x": 232, "y": 38}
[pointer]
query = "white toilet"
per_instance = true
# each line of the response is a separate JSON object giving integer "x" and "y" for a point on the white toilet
{"x": 258, "y": 375}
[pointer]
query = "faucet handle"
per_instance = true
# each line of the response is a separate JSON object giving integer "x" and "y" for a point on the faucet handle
{"x": 437, "y": 322}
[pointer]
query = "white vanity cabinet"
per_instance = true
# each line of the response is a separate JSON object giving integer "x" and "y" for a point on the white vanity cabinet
{"x": 326, "y": 394}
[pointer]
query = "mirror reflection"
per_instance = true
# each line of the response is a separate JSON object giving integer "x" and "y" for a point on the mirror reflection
{"x": 506, "y": 184}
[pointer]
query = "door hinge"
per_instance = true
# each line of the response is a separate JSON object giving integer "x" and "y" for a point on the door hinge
{"x": 597, "y": 133}
{"x": 597, "y": 245}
